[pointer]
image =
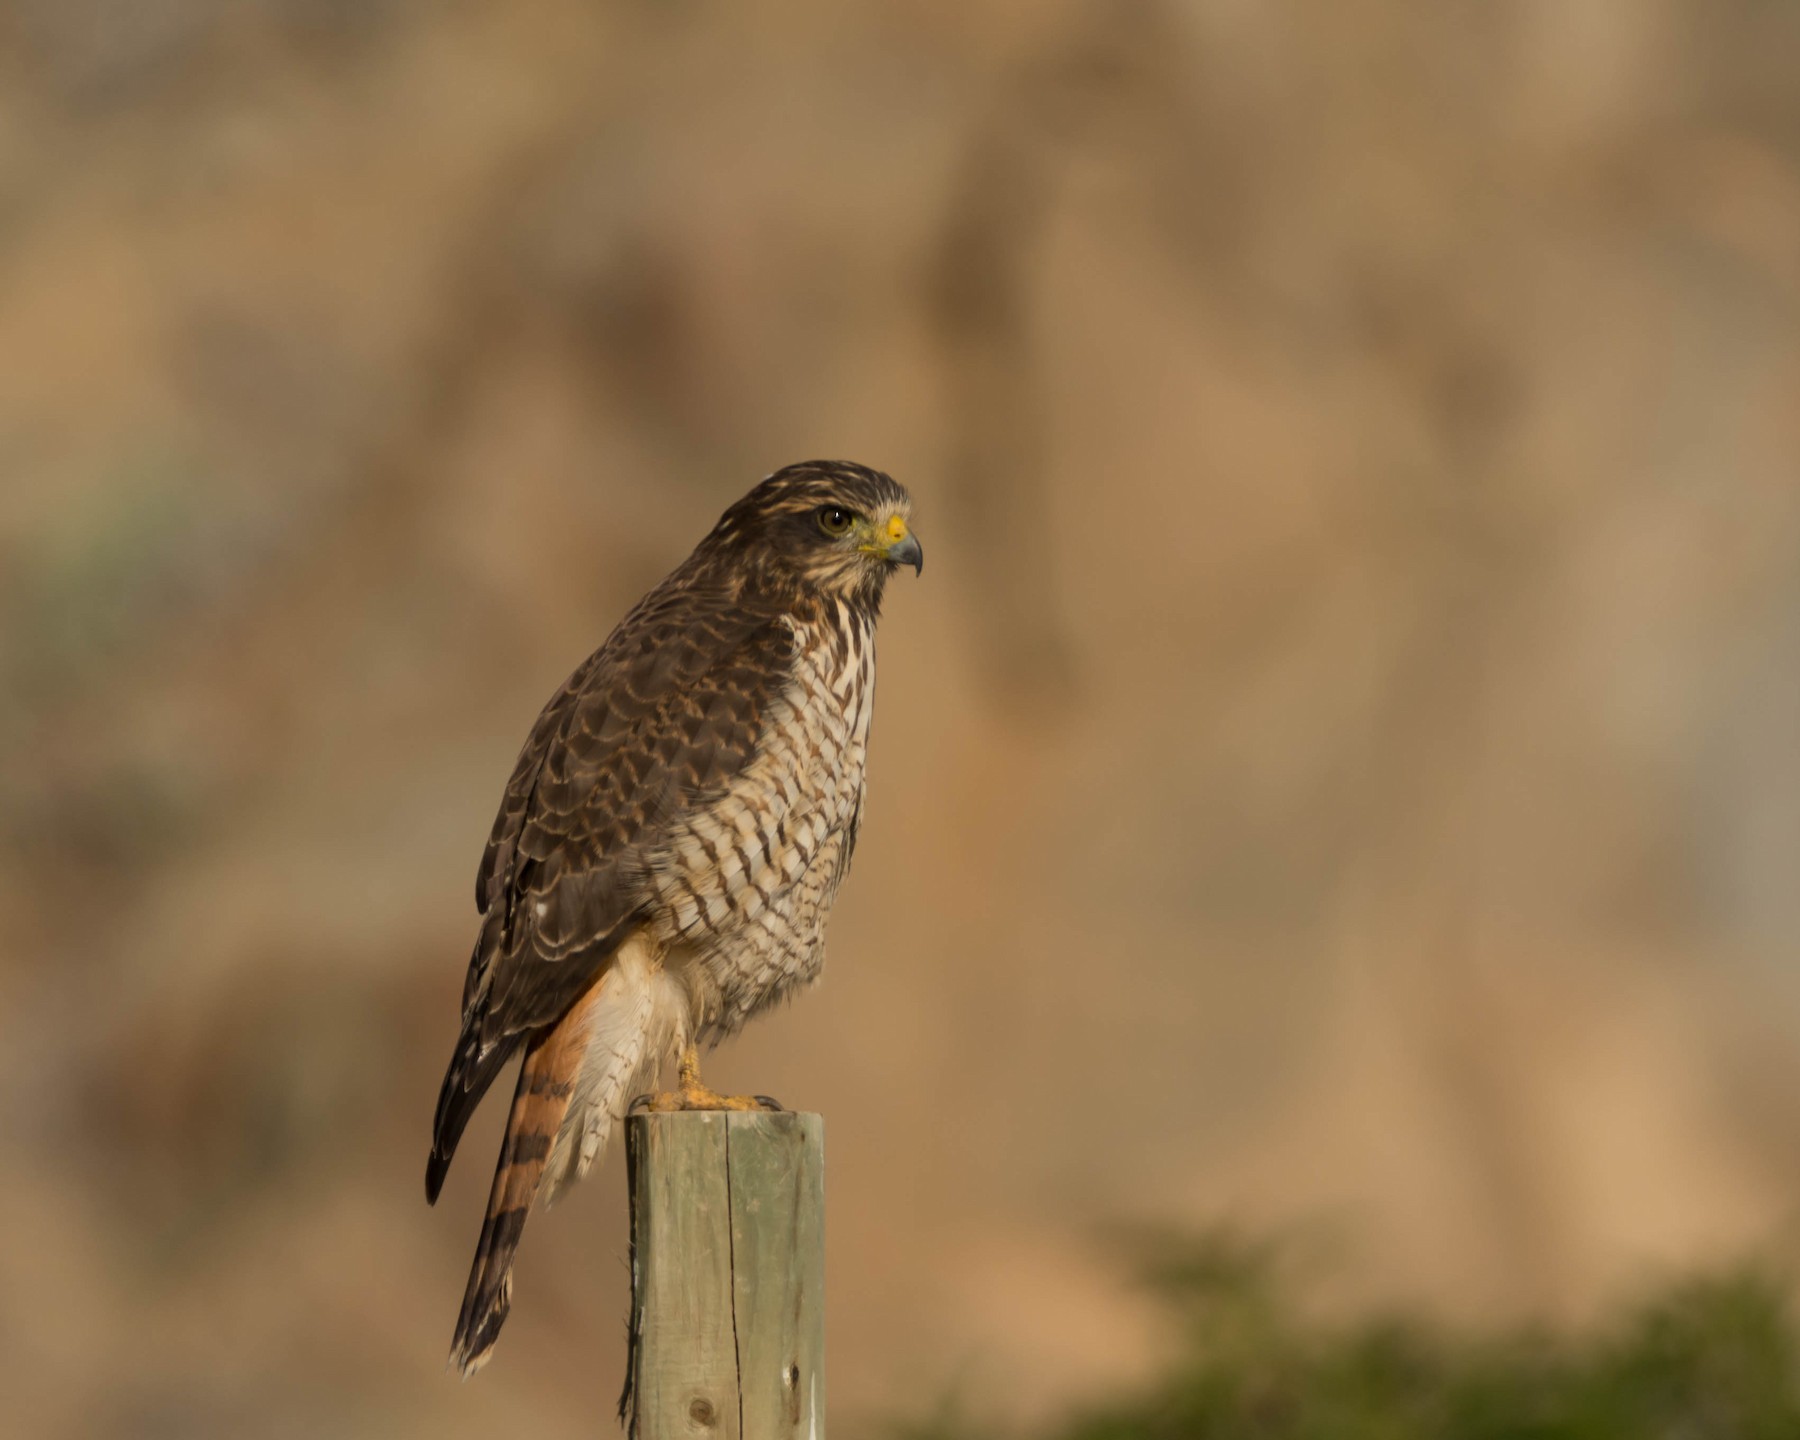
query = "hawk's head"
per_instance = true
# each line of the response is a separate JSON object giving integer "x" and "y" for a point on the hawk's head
{"x": 828, "y": 526}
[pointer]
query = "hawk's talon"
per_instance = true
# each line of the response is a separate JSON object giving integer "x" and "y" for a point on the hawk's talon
{"x": 670, "y": 1102}
{"x": 692, "y": 1093}
{"x": 701, "y": 1097}
{"x": 769, "y": 1102}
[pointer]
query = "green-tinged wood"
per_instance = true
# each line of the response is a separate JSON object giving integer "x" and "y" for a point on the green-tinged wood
{"x": 684, "y": 1373}
{"x": 728, "y": 1275}
{"x": 777, "y": 1167}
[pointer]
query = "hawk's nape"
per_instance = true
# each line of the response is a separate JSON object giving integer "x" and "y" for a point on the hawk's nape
{"x": 671, "y": 840}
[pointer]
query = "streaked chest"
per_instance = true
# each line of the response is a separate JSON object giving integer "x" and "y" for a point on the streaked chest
{"x": 770, "y": 852}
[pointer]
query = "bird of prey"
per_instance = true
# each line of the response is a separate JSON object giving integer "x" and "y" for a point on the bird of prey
{"x": 671, "y": 840}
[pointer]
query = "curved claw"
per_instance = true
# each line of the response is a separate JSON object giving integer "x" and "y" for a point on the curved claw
{"x": 769, "y": 1102}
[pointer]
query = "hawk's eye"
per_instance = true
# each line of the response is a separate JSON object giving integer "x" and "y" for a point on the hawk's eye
{"x": 834, "y": 520}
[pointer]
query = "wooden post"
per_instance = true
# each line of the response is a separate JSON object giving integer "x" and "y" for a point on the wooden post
{"x": 727, "y": 1276}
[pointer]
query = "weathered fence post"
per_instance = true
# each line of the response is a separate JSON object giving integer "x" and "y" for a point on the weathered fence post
{"x": 727, "y": 1276}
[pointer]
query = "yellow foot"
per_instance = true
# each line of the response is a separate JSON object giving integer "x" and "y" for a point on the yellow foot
{"x": 700, "y": 1097}
{"x": 695, "y": 1094}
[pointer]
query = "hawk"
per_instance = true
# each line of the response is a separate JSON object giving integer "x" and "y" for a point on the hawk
{"x": 673, "y": 835}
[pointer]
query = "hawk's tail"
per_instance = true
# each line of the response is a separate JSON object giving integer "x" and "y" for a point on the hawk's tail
{"x": 547, "y": 1081}
{"x": 576, "y": 1079}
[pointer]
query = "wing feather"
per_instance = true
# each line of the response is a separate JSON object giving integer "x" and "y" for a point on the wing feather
{"x": 651, "y": 726}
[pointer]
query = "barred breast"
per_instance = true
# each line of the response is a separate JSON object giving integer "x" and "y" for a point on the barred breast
{"x": 747, "y": 884}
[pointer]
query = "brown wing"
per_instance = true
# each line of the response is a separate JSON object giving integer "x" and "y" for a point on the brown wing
{"x": 652, "y": 726}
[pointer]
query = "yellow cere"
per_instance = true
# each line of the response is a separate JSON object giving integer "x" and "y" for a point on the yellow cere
{"x": 896, "y": 528}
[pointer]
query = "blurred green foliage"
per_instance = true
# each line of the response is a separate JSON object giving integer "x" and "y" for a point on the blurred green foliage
{"x": 1710, "y": 1358}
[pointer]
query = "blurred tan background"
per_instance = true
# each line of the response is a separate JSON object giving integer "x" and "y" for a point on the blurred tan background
{"x": 1339, "y": 770}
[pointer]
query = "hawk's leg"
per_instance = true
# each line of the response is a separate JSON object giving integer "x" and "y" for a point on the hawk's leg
{"x": 693, "y": 1093}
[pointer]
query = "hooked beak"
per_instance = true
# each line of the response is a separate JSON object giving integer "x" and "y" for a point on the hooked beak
{"x": 907, "y": 551}
{"x": 896, "y": 544}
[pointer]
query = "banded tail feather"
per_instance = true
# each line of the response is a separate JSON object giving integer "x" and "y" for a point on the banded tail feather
{"x": 575, "y": 1082}
{"x": 540, "y": 1104}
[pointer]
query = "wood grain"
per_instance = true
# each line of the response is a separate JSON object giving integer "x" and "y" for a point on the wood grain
{"x": 728, "y": 1270}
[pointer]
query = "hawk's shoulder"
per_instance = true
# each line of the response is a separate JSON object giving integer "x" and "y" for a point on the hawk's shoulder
{"x": 653, "y": 724}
